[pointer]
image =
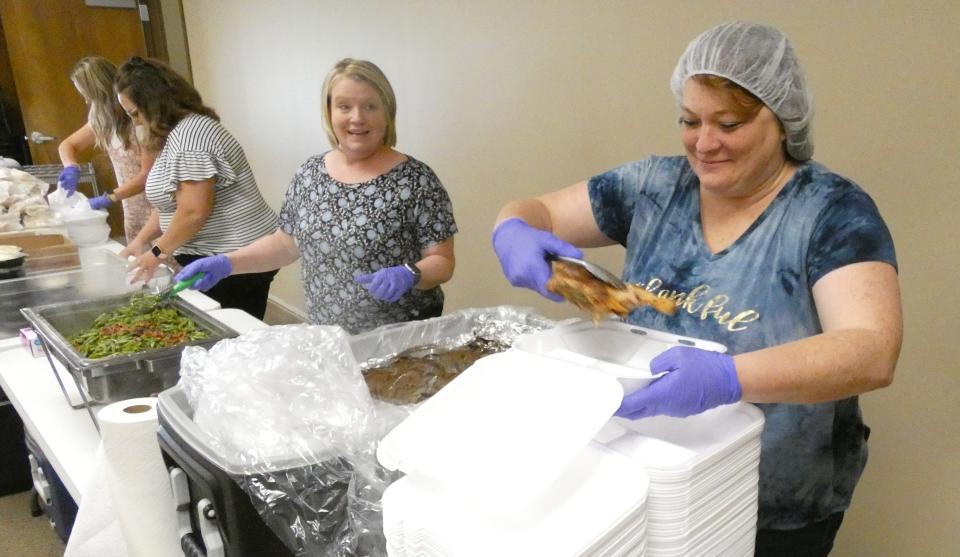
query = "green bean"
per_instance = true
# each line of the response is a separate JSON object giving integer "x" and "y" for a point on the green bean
{"x": 138, "y": 326}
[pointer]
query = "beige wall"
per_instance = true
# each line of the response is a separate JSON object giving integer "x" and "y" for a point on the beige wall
{"x": 511, "y": 98}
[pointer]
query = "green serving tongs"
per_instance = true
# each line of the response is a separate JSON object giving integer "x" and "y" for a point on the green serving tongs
{"x": 164, "y": 295}
{"x": 179, "y": 286}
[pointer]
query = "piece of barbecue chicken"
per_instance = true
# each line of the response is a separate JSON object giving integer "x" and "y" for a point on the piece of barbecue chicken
{"x": 589, "y": 293}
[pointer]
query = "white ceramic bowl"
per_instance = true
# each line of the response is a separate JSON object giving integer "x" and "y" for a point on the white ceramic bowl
{"x": 88, "y": 228}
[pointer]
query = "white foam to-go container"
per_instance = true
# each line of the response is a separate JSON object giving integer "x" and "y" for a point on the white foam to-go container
{"x": 613, "y": 347}
{"x": 504, "y": 429}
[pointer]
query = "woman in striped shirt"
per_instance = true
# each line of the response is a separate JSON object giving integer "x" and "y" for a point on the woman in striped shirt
{"x": 206, "y": 198}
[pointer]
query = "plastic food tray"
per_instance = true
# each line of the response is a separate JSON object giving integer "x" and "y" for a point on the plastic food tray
{"x": 101, "y": 273}
{"x": 47, "y": 249}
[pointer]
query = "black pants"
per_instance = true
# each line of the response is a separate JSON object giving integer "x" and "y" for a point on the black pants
{"x": 428, "y": 312}
{"x": 247, "y": 292}
{"x": 815, "y": 540}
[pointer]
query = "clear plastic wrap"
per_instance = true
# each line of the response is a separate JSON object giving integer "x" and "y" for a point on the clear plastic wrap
{"x": 288, "y": 411}
{"x": 289, "y": 415}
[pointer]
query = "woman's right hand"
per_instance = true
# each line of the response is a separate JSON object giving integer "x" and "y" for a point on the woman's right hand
{"x": 215, "y": 267}
{"x": 69, "y": 178}
{"x": 523, "y": 252}
{"x": 132, "y": 249}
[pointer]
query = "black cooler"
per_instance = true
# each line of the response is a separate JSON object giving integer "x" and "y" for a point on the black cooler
{"x": 14, "y": 467}
{"x": 52, "y": 496}
{"x": 214, "y": 515}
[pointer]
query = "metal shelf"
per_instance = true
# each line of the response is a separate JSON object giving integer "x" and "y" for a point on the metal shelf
{"x": 50, "y": 172}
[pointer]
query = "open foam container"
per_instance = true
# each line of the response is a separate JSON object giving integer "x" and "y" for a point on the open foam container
{"x": 508, "y": 426}
{"x": 617, "y": 349}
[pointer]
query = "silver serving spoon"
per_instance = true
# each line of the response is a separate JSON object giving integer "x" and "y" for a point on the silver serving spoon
{"x": 595, "y": 270}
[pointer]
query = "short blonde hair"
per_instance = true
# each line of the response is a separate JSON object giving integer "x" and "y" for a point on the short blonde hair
{"x": 367, "y": 72}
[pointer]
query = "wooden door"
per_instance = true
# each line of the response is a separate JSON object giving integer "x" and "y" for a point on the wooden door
{"x": 45, "y": 39}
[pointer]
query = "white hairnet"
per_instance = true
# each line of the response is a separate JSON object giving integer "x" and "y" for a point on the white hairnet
{"x": 758, "y": 58}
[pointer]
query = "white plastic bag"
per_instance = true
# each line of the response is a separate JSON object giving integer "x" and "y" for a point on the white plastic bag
{"x": 62, "y": 204}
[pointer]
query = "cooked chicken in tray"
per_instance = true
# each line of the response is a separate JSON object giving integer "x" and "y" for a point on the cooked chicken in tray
{"x": 587, "y": 292}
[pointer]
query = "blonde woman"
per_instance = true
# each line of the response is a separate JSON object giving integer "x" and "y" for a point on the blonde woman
{"x": 108, "y": 128}
{"x": 372, "y": 227}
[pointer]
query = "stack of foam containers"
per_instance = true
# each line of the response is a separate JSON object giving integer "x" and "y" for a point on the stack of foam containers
{"x": 596, "y": 508}
{"x": 703, "y": 473}
{"x": 519, "y": 456}
{"x": 703, "y": 469}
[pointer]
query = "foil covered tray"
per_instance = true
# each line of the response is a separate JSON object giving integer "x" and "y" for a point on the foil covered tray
{"x": 122, "y": 376}
{"x": 405, "y": 363}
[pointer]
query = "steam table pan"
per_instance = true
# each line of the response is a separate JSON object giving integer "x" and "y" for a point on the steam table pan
{"x": 123, "y": 376}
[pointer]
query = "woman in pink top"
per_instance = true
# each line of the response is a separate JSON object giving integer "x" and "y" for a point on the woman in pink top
{"x": 108, "y": 128}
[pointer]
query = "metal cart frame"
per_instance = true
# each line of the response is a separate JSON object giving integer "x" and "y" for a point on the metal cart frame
{"x": 49, "y": 173}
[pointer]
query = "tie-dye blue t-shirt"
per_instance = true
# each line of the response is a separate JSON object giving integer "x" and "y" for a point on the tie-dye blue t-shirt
{"x": 754, "y": 294}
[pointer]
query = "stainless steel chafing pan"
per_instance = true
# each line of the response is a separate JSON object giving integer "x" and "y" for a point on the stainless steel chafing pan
{"x": 123, "y": 376}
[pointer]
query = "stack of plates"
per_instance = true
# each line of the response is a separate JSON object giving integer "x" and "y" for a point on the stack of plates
{"x": 596, "y": 507}
{"x": 703, "y": 473}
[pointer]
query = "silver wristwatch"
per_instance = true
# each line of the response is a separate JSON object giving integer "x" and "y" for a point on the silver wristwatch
{"x": 413, "y": 269}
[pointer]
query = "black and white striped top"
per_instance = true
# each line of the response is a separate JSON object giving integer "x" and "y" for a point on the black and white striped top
{"x": 199, "y": 148}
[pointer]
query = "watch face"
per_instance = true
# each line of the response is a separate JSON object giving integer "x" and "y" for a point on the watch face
{"x": 155, "y": 250}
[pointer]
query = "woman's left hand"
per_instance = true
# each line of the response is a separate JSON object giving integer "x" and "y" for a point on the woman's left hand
{"x": 388, "y": 284}
{"x": 696, "y": 381}
{"x": 100, "y": 202}
{"x": 144, "y": 267}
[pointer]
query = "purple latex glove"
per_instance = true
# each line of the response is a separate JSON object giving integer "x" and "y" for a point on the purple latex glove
{"x": 100, "y": 201}
{"x": 697, "y": 380}
{"x": 69, "y": 178}
{"x": 523, "y": 252}
{"x": 216, "y": 267}
{"x": 388, "y": 284}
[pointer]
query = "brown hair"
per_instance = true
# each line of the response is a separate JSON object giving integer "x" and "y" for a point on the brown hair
{"x": 93, "y": 77}
{"x": 369, "y": 73}
{"x": 162, "y": 96}
{"x": 748, "y": 103}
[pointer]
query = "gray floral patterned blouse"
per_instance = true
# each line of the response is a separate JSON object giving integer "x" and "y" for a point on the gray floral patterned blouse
{"x": 345, "y": 230}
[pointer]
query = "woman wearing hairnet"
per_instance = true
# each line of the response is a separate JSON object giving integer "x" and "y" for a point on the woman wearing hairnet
{"x": 766, "y": 251}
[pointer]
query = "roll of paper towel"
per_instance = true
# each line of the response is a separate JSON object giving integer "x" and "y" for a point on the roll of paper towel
{"x": 96, "y": 531}
{"x": 136, "y": 479}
